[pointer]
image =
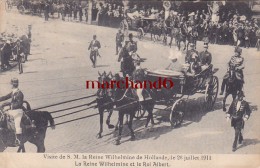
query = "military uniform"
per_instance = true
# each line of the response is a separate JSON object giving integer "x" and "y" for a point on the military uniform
{"x": 138, "y": 77}
{"x": 238, "y": 112}
{"x": 189, "y": 55}
{"x": 205, "y": 58}
{"x": 236, "y": 62}
{"x": 19, "y": 50}
{"x": 119, "y": 40}
{"x": 16, "y": 99}
{"x": 94, "y": 46}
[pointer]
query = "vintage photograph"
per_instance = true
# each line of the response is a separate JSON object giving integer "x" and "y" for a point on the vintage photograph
{"x": 130, "y": 77}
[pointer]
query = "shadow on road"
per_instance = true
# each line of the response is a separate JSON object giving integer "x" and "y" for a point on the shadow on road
{"x": 248, "y": 142}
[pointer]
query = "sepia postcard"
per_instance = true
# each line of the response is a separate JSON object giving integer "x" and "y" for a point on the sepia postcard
{"x": 129, "y": 83}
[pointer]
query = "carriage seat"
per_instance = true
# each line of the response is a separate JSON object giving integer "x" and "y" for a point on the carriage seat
{"x": 165, "y": 73}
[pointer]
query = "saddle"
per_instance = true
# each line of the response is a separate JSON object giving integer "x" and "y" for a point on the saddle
{"x": 25, "y": 123}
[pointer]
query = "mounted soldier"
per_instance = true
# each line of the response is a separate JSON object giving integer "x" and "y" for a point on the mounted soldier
{"x": 94, "y": 46}
{"x": 236, "y": 65}
{"x": 239, "y": 112}
{"x": 127, "y": 53}
{"x": 16, "y": 108}
{"x": 119, "y": 41}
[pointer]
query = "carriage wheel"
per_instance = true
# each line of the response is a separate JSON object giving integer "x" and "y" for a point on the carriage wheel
{"x": 177, "y": 113}
{"x": 139, "y": 113}
{"x": 211, "y": 93}
{"x": 8, "y": 6}
{"x": 21, "y": 9}
{"x": 140, "y": 33}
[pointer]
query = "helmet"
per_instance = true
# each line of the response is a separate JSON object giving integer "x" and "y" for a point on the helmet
{"x": 130, "y": 35}
{"x": 14, "y": 81}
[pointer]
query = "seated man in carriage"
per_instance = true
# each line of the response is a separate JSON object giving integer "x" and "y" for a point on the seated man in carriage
{"x": 236, "y": 63}
{"x": 175, "y": 64}
{"x": 190, "y": 52}
{"x": 205, "y": 57}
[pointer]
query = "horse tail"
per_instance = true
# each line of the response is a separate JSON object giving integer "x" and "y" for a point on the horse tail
{"x": 50, "y": 119}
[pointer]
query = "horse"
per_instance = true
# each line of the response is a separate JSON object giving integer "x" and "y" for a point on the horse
{"x": 104, "y": 102}
{"x": 34, "y": 130}
{"x": 233, "y": 86}
{"x": 126, "y": 102}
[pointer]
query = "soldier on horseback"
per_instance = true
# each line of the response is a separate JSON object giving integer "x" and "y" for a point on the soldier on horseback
{"x": 16, "y": 107}
{"x": 127, "y": 53}
{"x": 239, "y": 112}
{"x": 236, "y": 64}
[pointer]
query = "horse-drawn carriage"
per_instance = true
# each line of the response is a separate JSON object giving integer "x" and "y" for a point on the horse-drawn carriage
{"x": 184, "y": 85}
{"x": 25, "y": 6}
{"x": 141, "y": 24}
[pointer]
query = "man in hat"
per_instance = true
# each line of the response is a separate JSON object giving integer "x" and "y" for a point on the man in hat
{"x": 94, "y": 46}
{"x": 239, "y": 112}
{"x": 175, "y": 64}
{"x": 138, "y": 77}
{"x": 16, "y": 106}
{"x": 19, "y": 50}
{"x": 131, "y": 45}
{"x": 236, "y": 62}
{"x": 6, "y": 53}
{"x": 190, "y": 52}
{"x": 205, "y": 56}
{"x": 119, "y": 40}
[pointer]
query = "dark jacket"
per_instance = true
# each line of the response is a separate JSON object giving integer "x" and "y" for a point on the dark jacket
{"x": 16, "y": 99}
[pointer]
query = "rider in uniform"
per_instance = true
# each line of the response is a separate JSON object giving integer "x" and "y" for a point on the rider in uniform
{"x": 189, "y": 53}
{"x": 131, "y": 45}
{"x": 130, "y": 49}
{"x": 94, "y": 46}
{"x": 138, "y": 77}
{"x": 16, "y": 106}
{"x": 119, "y": 40}
{"x": 239, "y": 112}
{"x": 238, "y": 63}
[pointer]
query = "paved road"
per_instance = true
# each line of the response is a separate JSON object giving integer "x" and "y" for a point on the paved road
{"x": 59, "y": 66}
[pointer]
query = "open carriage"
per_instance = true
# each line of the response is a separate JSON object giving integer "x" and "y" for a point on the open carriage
{"x": 184, "y": 85}
{"x": 141, "y": 24}
{"x": 25, "y": 6}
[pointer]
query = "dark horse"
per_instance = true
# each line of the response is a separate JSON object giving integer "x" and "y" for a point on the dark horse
{"x": 233, "y": 86}
{"x": 35, "y": 132}
{"x": 104, "y": 102}
{"x": 126, "y": 102}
